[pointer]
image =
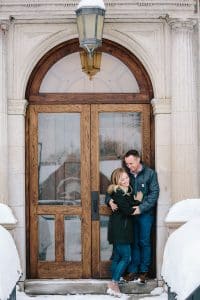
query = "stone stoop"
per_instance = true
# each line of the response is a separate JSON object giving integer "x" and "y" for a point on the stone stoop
{"x": 85, "y": 286}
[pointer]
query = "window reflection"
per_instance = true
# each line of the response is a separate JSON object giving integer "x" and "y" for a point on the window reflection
{"x": 72, "y": 238}
{"x": 118, "y": 133}
{"x": 59, "y": 158}
{"x": 106, "y": 248}
{"x": 46, "y": 237}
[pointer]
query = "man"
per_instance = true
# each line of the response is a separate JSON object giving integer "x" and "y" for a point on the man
{"x": 142, "y": 179}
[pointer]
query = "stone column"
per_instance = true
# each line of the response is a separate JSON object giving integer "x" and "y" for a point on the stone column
{"x": 184, "y": 129}
{"x": 162, "y": 114}
{"x": 16, "y": 167}
{"x": 3, "y": 118}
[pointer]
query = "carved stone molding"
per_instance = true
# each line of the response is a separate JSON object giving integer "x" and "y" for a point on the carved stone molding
{"x": 161, "y": 106}
{"x": 114, "y": 8}
{"x": 17, "y": 107}
{"x": 4, "y": 27}
{"x": 180, "y": 24}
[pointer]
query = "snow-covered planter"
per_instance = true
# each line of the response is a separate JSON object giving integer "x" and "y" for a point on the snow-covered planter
{"x": 6, "y": 217}
{"x": 10, "y": 270}
{"x": 181, "y": 260}
{"x": 181, "y": 212}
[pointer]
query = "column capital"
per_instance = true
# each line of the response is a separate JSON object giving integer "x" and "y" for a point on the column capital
{"x": 17, "y": 107}
{"x": 161, "y": 106}
{"x": 3, "y": 27}
{"x": 182, "y": 24}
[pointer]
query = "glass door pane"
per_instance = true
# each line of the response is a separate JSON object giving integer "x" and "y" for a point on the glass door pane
{"x": 59, "y": 158}
{"x": 118, "y": 132}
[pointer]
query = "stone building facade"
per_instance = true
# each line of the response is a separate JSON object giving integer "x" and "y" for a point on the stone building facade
{"x": 162, "y": 35}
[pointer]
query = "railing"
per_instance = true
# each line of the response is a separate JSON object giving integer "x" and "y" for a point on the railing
{"x": 195, "y": 295}
{"x": 13, "y": 294}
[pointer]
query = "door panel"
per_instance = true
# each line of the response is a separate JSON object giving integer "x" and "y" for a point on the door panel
{"x": 115, "y": 130}
{"x": 73, "y": 150}
{"x": 60, "y": 227}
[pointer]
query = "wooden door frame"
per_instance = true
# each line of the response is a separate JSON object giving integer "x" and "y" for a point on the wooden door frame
{"x": 99, "y": 269}
{"x": 78, "y": 268}
{"x": 33, "y": 96}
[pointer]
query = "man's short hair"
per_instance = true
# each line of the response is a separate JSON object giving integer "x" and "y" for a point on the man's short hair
{"x": 132, "y": 152}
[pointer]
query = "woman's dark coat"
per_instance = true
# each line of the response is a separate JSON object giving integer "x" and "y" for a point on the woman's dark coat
{"x": 120, "y": 226}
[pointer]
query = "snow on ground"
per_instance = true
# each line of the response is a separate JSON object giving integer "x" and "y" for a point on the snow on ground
{"x": 181, "y": 262}
{"x": 10, "y": 269}
{"x": 22, "y": 296}
{"x": 184, "y": 211}
{"x": 163, "y": 296}
{"x": 158, "y": 293}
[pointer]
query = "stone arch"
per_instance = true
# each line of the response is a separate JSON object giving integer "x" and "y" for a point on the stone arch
{"x": 108, "y": 46}
{"x": 111, "y": 47}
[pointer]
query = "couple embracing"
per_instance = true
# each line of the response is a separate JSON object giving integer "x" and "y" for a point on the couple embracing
{"x": 132, "y": 196}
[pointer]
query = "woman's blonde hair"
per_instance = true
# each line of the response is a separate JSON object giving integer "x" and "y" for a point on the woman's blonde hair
{"x": 115, "y": 178}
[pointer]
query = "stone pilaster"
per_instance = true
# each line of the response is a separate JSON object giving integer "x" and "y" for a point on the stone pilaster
{"x": 184, "y": 129}
{"x": 162, "y": 115}
{"x": 3, "y": 118}
{"x": 16, "y": 167}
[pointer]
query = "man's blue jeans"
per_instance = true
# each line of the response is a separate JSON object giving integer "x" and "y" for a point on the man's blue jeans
{"x": 121, "y": 259}
{"x": 141, "y": 248}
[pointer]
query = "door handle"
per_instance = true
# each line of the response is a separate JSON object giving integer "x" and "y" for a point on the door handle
{"x": 95, "y": 205}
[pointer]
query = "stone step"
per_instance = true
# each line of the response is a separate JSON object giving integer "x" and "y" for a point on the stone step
{"x": 83, "y": 286}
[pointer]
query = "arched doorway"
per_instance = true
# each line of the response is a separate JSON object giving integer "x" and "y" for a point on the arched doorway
{"x": 77, "y": 133}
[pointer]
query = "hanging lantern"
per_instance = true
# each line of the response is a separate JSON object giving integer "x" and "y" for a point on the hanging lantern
{"x": 90, "y": 64}
{"x": 90, "y": 20}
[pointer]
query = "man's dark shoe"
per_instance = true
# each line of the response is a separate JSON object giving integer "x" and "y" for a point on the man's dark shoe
{"x": 142, "y": 278}
{"x": 130, "y": 276}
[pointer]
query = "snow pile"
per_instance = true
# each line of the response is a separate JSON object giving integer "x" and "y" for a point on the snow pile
{"x": 181, "y": 261}
{"x": 6, "y": 215}
{"x": 159, "y": 293}
{"x": 163, "y": 296}
{"x": 96, "y": 3}
{"x": 10, "y": 269}
{"x": 184, "y": 211}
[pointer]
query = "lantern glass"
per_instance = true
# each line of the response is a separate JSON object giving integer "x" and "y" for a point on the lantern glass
{"x": 90, "y": 27}
{"x": 80, "y": 25}
{"x": 100, "y": 21}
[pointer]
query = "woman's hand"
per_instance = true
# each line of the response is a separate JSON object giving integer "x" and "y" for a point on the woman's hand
{"x": 139, "y": 196}
{"x": 137, "y": 210}
{"x": 113, "y": 206}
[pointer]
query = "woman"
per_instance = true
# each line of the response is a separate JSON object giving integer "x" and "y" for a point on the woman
{"x": 120, "y": 227}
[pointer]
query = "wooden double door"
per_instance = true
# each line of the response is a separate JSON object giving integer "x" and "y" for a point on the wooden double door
{"x": 72, "y": 151}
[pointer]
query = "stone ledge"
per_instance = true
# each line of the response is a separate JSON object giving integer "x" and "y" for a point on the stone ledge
{"x": 172, "y": 226}
{"x": 9, "y": 226}
{"x": 83, "y": 286}
{"x": 175, "y": 224}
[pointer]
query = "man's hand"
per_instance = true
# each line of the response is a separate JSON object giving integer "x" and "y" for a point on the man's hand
{"x": 137, "y": 210}
{"x": 139, "y": 196}
{"x": 113, "y": 206}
